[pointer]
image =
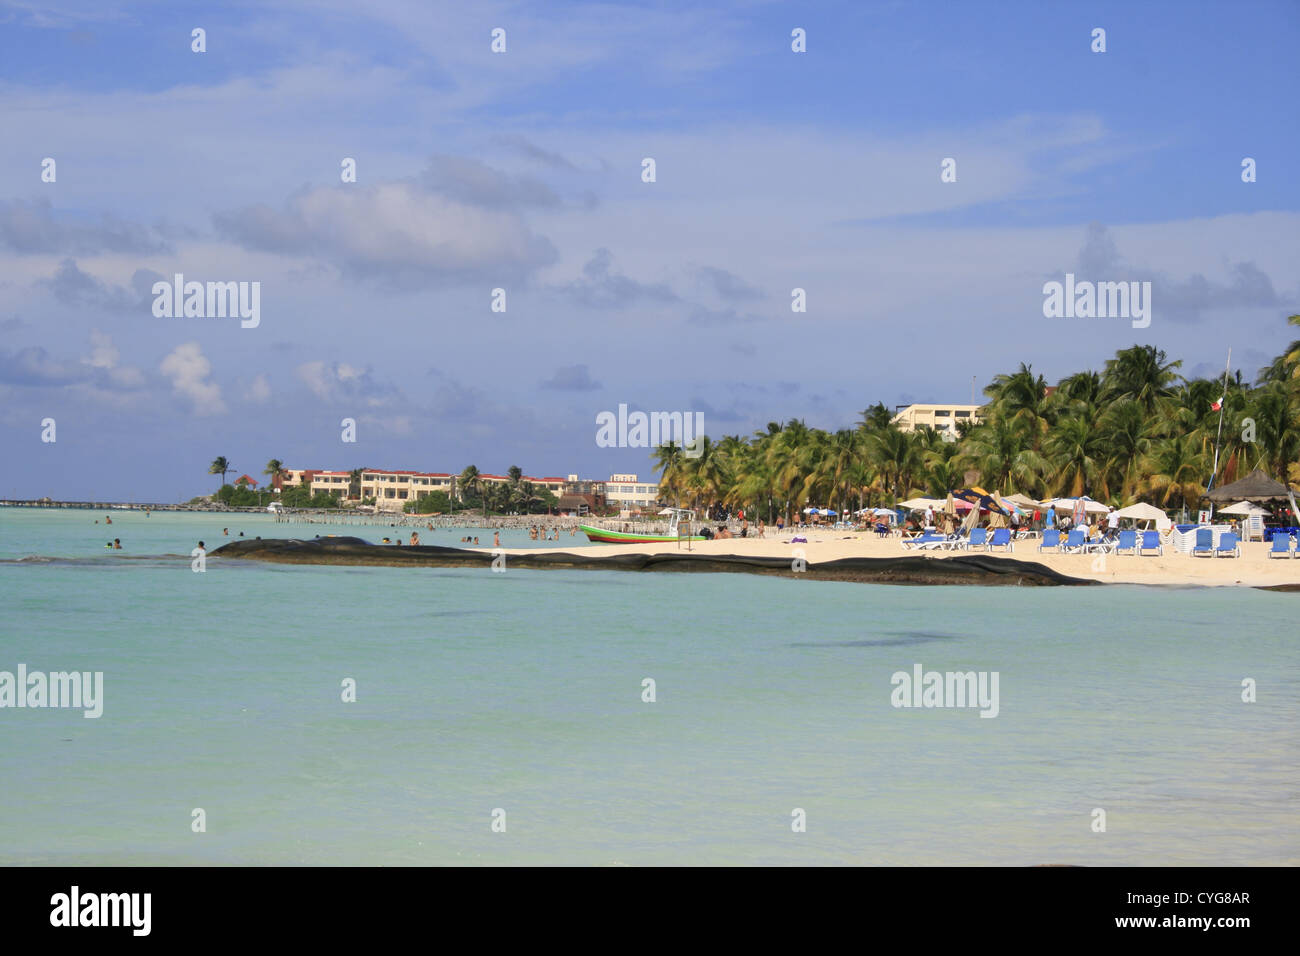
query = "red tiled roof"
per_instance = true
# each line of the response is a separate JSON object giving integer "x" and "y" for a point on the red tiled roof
{"x": 249, "y": 479}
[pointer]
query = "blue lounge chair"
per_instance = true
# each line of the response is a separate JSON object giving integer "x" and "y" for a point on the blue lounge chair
{"x": 1128, "y": 541}
{"x": 978, "y": 539}
{"x": 927, "y": 540}
{"x": 1002, "y": 539}
{"x": 1051, "y": 539}
{"x": 1151, "y": 542}
{"x": 1229, "y": 546}
{"x": 1204, "y": 542}
{"x": 1281, "y": 546}
{"x": 1074, "y": 541}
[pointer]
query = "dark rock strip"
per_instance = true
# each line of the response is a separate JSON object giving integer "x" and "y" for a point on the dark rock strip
{"x": 904, "y": 569}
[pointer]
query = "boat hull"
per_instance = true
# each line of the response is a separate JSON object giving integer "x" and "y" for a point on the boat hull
{"x": 631, "y": 537}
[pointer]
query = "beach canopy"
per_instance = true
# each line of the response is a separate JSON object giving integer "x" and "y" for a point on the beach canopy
{"x": 920, "y": 504}
{"x": 1243, "y": 508}
{"x": 1067, "y": 504}
{"x": 1023, "y": 500}
{"x": 1142, "y": 512}
{"x": 978, "y": 496}
{"x": 1256, "y": 486}
{"x": 668, "y": 511}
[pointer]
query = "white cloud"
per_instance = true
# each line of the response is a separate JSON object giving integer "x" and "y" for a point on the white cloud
{"x": 188, "y": 370}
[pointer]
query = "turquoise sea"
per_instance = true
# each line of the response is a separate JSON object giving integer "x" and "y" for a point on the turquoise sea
{"x": 523, "y": 691}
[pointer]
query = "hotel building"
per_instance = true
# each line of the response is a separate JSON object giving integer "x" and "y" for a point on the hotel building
{"x": 630, "y": 494}
{"x": 942, "y": 418}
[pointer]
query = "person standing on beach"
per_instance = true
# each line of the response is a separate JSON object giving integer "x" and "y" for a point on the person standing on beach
{"x": 1050, "y": 519}
{"x": 929, "y": 516}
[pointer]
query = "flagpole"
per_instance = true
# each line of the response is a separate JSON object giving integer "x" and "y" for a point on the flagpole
{"x": 1223, "y": 404}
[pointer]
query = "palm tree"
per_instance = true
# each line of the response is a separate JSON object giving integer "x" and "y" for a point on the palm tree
{"x": 220, "y": 466}
{"x": 1021, "y": 398}
{"x": 470, "y": 482}
{"x": 875, "y": 417}
{"x": 275, "y": 469}
{"x": 669, "y": 460}
{"x": 354, "y": 482}
{"x": 1142, "y": 374}
{"x": 1174, "y": 472}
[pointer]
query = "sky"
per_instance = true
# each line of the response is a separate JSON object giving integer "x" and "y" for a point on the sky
{"x": 522, "y": 170}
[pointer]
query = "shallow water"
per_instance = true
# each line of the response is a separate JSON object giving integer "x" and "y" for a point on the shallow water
{"x": 523, "y": 691}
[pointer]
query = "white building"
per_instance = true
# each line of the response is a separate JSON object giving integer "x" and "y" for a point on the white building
{"x": 629, "y": 494}
{"x": 943, "y": 418}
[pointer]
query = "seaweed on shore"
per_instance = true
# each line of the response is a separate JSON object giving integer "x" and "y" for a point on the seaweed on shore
{"x": 905, "y": 569}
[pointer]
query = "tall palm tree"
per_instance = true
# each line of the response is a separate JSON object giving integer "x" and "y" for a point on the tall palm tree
{"x": 275, "y": 469}
{"x": 220, "y": 466}
{"x": 470, "y": 484}
{"x": 1142, "y": 374}
{"x": 670, "y": 460}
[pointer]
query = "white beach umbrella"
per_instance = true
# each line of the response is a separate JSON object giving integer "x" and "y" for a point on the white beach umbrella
{"x": 1067, "y": 505}
{"x": 1243, "y": 508}
{"x": 1141, "y": 512}
{"x": 920, "y": 504}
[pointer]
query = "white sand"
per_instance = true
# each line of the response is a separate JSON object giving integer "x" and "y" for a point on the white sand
{"x": 1253, "y": 568}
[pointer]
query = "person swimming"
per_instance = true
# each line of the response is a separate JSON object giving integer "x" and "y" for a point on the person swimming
{"x": 117, "y": 544}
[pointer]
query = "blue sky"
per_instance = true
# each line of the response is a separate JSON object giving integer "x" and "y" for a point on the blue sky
{"x": 521, "y": 170}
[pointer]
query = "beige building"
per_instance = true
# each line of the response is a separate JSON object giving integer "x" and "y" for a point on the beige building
{"x": 630, "y": 494}
{"x": 943, "y": 418}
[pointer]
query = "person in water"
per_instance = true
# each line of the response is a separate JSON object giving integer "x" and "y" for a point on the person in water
{"x": 108, "y": 519}
{"x": 117, "y": 544}
{"x": 201, "y": 546}
{"x": 496, "y": 539}
{"x": 415, "y": 538}
{"x": 225, "y": 532}
{"x": 476, "y": 541}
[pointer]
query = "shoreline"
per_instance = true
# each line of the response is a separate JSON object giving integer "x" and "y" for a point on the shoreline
{"x": 828, "y": 556}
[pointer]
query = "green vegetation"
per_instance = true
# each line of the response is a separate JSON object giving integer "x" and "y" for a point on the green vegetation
{"x": 436, "y": 502}
{"x": 1136, "y": 431}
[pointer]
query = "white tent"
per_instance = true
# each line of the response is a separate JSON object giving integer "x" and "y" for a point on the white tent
{"x": 920, "y": 504}
{"x": 1243, "y": 508}
{"x": 1066, "y": 505}
{"x": 1145, "y": 512}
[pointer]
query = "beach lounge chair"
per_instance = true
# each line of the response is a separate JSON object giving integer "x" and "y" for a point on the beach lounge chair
{"x": 1002, "y": 539}
{"x": 978, "y": 539}
{"x": 1128, "y": 541}
{"x": 1229, "y": 546}
{"x": 1281, "y": 546}
{"x": 1151, "y": 542}
{"x": 1074, "y": 541}
{"x": 924, "y": 541}
{"x": 1051, "y": 539}
{"x": 1204, "y": 542}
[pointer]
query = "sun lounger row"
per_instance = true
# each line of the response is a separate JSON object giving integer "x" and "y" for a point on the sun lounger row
{"x": 1128, "y": 541}
{"x": 979, "y": 540}
{"x": 1229, "y": 544}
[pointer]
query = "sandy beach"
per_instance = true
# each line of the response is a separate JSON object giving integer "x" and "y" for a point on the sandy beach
{"x": 1253, "y": 569}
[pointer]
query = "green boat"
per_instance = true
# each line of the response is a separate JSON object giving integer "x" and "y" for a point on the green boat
{"x": 632, "y": 537}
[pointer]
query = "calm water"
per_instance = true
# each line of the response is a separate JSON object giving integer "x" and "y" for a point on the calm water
{"x": 522, "y": 691}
